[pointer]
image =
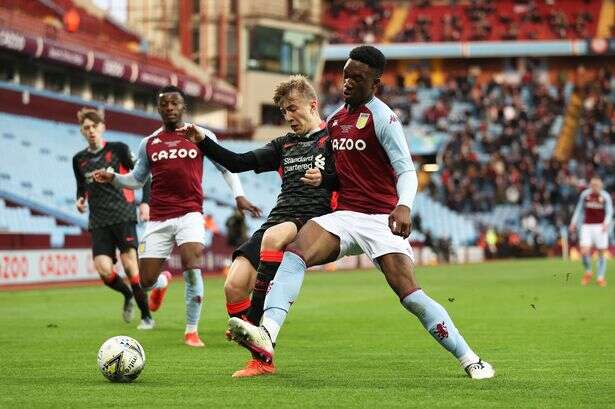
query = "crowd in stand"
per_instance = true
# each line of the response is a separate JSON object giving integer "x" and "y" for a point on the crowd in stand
{"x": 494, "y": 156}
{"x": 477, "y": 20}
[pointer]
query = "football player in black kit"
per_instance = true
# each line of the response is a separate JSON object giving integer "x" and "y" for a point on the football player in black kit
{"x": 303, "y": 159}
{"x": 113, "y": 217}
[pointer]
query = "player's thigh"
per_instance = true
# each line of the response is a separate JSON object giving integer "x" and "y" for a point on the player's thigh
{"x": 130, "y": 262}
{"x": 240, "y": 278}
{"x": 158, "y": 240}
{"x": 124, "y": 235}
{"x": 315, "y": 244}
{"x": 103, "y": 265}
{"x": 149, "y": 269}
{"x": 103, "y": 244}
{"x": 189, "y": 237}
{"x": 600, "y": 238}
{"x": 398, "y": 269}
{"x": 279, "y": 236}
{"x": 585, "y": 238}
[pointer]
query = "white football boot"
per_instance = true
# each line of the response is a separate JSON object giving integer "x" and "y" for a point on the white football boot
{"x": 146, "y": 324}
{"x": 254, "y": 339}
{"x": 480, "y": 370}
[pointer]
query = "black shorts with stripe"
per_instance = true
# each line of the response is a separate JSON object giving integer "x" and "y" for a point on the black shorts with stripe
{"x": 122, "y": 236}
{"x": 251, "y": 249}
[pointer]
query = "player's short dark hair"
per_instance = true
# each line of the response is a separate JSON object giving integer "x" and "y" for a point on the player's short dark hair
{"x": 370, "y": 56}
{"x": 92, "y": 114}
{"x": 170, "y": 88}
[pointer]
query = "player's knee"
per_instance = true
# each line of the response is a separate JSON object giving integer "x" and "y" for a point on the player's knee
{"x": 235, "y": 291}
{"x": 272, "y": 242}
{"x": 191, "y": 260}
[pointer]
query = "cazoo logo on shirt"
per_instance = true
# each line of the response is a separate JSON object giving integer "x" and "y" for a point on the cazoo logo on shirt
{"x": 347, "y": 144}
{"x": 174, "y": 154}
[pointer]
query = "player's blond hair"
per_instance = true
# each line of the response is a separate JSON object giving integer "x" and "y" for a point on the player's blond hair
{"x": 298, "y": 83}
{"x": 91, "y": 114}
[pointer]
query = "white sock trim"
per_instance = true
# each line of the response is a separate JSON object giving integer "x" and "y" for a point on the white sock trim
{"x": 467, "y": 359}
{"x": 161, "y": 282}
{"x": 272, "y": 327}
{"x": 191, "y": 328}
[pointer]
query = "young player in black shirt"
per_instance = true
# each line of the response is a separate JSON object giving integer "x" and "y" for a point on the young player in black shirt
{"x": 304, "y": 160}
{"x": 112, "y": 218}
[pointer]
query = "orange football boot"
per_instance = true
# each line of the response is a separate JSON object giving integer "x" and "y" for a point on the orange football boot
{"x": 254, "y": 367}
{"x": 157, "y": 295}
{"x": 601, "y": 282}
{"x": 192, "y": 340}
{"x": 587, "y": 277}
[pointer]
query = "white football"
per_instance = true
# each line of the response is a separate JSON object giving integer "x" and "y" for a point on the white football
{"x": 121, "y": 359}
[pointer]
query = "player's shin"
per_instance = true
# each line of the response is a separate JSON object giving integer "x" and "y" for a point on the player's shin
{"x": 115, "y": 282}
{"x": 439, "y": 324}
{"x": 283, "y": 292}
{"x": 193, "y": 297}
{"x": 601, "y": 268}
{"x": 140, "y": 296}
{"x": 267, "y": 268}
{"x": 587, "y": 263}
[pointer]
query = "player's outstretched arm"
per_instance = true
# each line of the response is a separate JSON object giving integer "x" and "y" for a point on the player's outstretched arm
{"x": 133, "y": 180}
{"x": 391, "y": 136}
{"x": 207, "y": 143}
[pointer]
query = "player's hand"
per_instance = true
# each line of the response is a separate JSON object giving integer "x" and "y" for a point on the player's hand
{"x": 102, "y": 176}
{"x": 144, "y": 212}
{"x": 81, "y": 205}
{"x": 605, "y": 227}
{"x": 244, "y": 204}
{"x": 312, "y": 177}
{"x": 400, "y": 221}
{"x": 573, "y": 228}
{"x": 192, "y": 133}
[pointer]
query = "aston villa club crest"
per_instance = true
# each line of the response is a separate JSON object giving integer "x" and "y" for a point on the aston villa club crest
{"x": 362, "y": 121}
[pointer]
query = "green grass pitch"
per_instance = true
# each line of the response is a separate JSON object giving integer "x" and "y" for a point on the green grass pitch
{"x": 347, "y": 343}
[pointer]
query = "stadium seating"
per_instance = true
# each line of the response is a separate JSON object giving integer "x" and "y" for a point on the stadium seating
{"x": 39, "y": 169}
{"x": 429, "y": 21}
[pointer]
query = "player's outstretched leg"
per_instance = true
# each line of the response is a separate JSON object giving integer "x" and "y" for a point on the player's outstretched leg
{"x": 159, "y": 291}
{"x": 269, "y": 262}
{"x": 194, "y": 300}
{"x": 601, "y": 269}
{"x": 283, "y": 291}
{"x": 398, "y": 270}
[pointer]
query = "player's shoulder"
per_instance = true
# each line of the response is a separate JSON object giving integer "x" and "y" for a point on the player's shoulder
{"x": 207, "y": 132}
{"x": 115, "y": 146}
{"x": 336, "y": 113}
{"x": 380, "y": 111}
{"x": 80, "y": 154}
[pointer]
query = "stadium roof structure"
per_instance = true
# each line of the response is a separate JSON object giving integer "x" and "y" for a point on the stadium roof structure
{"x": 26, "y": 35}
{"x": 480, "y": 49}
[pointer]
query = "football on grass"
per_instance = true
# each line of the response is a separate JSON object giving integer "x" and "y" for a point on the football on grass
{"x": 121, "y": 359}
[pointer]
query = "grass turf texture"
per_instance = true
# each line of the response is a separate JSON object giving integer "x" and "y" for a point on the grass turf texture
{"x": 347, "y": 343}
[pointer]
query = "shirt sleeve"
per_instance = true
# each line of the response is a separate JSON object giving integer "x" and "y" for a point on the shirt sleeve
{"x": 124, "y": 156}
{"x": 81, "y": 190}
{"x": 268, "y": 157}
{"x": 391, "y": 136}
{"x": 580, "y": 207}
{"x": 137, "y": 177}
{"x": 231, "y": 179}
{"x": 608, "y": 208}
